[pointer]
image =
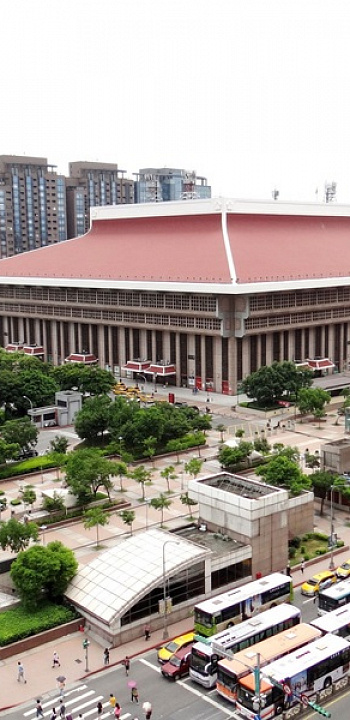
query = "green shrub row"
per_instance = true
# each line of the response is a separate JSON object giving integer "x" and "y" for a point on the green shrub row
{"x": 27, "y": 466}
{"x": 18, "y": 623}
{"x": 191, "y": 440}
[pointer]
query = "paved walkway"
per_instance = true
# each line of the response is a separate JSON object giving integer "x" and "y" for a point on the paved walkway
{"x": 41, "y": 678}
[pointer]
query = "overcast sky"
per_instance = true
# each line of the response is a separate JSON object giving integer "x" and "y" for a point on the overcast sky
{"x": 252, "y": 94}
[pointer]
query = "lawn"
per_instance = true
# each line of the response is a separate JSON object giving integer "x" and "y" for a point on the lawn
{"x": 18, "y": 623}
{"x": 309, "y": 546}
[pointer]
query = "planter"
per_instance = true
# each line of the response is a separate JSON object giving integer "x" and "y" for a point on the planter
{"x": 22, "y": 646}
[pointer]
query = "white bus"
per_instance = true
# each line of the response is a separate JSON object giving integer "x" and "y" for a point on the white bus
{"x": 295, "y": 677}
{"x": 336, "y": 622}
{"x": 204, "y": 660}
{"x": 230, "y": 671}
{"x": 334, "y": 597}
{"x": 241, "y": 603}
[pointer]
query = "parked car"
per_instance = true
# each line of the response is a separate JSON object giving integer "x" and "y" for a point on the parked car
{"x": 318, "y": 582}
{"x": 27, "y": 453}
{"x": 343, "y": 571}
{"x": 178, "y": 665}
{"x": 164, "y": 653}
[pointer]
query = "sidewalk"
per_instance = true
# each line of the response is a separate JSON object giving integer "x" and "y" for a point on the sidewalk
{"x": 41, "y": 678}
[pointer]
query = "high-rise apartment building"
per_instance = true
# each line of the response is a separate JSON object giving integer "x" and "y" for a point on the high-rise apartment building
{"x": 91, "y": 184}
{"x": 32, "y": 204}
{"x": 162, "y": 184}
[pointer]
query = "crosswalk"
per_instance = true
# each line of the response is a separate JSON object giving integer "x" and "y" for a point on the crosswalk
{"x": 78, "y": 700}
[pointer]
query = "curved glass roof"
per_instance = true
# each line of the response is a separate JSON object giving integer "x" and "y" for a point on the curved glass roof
{"x": 118, "y": 578}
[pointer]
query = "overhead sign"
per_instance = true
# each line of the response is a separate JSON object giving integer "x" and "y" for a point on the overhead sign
{"x": 220, "y": 650}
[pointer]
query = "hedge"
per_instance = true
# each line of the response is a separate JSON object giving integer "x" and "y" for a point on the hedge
{"x": 18, "y": 623}
{"x": 27, "y": 466}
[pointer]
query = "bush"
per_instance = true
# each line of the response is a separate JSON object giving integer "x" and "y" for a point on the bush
{"x": 19, "y": 623}
{"x": 191, "y": 440}
{"x": 16, "y": 501}
{"x": 292, "y": 552}
{"x": 295, "y": 542}
{"x": 2, "y": 492}
{"x": 306, "y": 557}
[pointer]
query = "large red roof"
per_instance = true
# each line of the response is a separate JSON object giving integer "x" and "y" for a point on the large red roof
{"x": 159, "y": 249}
{"x": 259, "y": 246}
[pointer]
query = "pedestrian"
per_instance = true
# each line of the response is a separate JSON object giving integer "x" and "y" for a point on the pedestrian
{"x": 134, "y": 694}
{"x": 53, "y": 715}
{"x": 106, "y": 656}
{"x": 147, "y": 707}
{"x": 55, "y": 660}
{"x": 112, "y": 702}
{"x": 39, "y": 709}
{"x": 117, "y": 710}
{"x": 126, "y": 663}
{"x": 20, "y": 671}
{"x": 147, "y": 631}
{"x": 288, "y": 570}
{"x": 99, "y": 708}
{"x": 69, "y": 716}
{"x": 61, "y": 685}
{"x": 302, "y": 565}
{"x": 62, "y": 708}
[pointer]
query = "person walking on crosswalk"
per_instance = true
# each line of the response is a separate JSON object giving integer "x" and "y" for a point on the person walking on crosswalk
{"x": 112, "y": 702}
{"x": 99, "y": 708}
{"x": 39, "y": 709}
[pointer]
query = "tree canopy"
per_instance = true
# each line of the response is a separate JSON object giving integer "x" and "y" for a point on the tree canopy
{"x": 273, "y": 382}
{"x": 16, "y": 536}
{"x": 93, "y": 419}
{"x": 86, "y": 472}
{"x": 282, "y": 472}
{"x": 93, "y": 380}
{"x": 22, "y": 431}
{"x": 312, "y": 401}
{"x": 43, "y": 573}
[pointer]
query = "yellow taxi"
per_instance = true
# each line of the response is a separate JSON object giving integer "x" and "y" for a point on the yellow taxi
{"x": 318, "y": 582}
{"x": 165, "y": 652}
{"x": 343, "y": 571}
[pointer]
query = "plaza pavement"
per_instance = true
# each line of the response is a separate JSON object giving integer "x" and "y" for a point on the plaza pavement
{"x": 41, "y": 678}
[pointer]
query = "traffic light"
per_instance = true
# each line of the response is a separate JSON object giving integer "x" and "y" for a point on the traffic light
{"x": 86, "y": 644}
{"x": 321, "y": 710}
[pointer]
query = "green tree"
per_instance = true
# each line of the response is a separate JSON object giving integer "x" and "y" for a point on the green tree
{"x": 221, "y": 428}
{"x": 189, "y": 502}
{"x": 121, "y": 469}
{"x": 93, "y": 419}
{"x": 53, "y": 503}
{"x": 128, "y": 517}
{"x": 231, "y": 456}
{"x": 43, "y": 573}
{"x": 21, "y": 432}
{"x": 59, "y": 444}
{"x": 40, "y": 388}
{"x": 272, "y": 382}
{"x": 93, "y": 380}
{"x": 95, "y": 517}
{"x": 141, "y": 476}
{"x": 322, "y": 482}
{"x": 8, "y": 451}
{"x": 161, "y": 503}
{"x": 282, "y": 472}
{"x": 150, "y": 445}
{"x": 311, "y": 400}
{"x": 86, "y": 472}
{"x": 28, "y": 495}
{"x": 16, "y": 536}
{"x": 193, "y": 467}
{"x": 168, "y": 473}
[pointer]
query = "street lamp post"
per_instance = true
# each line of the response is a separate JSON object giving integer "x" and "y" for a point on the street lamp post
{"x": 44, "y": 527}
{"x": 332, "y": 488}
{"x": 31, "y": 404}
{"x": 165, "y": 615}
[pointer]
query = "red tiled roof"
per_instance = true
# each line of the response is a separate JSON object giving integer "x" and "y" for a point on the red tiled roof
{"x": 269, "y": 248}
{"x": 160, "y": 249}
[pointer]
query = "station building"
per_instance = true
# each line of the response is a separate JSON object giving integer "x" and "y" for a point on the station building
{"x": 197, "y": 293}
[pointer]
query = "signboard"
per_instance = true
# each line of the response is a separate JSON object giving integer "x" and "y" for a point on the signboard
{"x": 220, "y": 650}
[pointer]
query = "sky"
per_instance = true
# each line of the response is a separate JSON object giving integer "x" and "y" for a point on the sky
{"x": 252, "y": 94}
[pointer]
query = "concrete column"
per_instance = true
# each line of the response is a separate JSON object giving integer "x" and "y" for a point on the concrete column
{"x": 131, "y": 344}
{"x": 143, "y": 344}
{"x": 245, "y": 356}
{"x": 7, "y": 331}
{"x": 80, "y": 339}
{"x": 101, "y": 346}
{"x": 54, "y": 342}
{"x": 178, "y": 363}
{"x": 121, "y": 345}
{"x": 91, "y": 345}
{"x": 154, "y": 351}
{"x": 63, "y": 348}
{"x": 311, "y": 344}
{"x": 71, "y": 338}
{"x": 232, "y": 365}
{"x": 281, "y": 344}
{"x": 269, "y": 348}
{"x": 20, "y": 328}
{"x": 37, "y": 331}
{"x": 203, "y": 363}
{"x": 45, "y": 340}
{"x": 217, "y": 364}
{"x": 191, "y": 350}
{"x": 166, "y": 346}
{"x": 111, "y": 362}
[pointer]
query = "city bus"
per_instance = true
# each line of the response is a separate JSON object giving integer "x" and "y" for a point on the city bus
{"x": 204, "y": 660}
{"x": 230, "y": 671}
{"x": 334, "y": 597}
{"x": 336, "y": 622}
{"x": 295, "y": 677}
{"x": 241, "y": 603}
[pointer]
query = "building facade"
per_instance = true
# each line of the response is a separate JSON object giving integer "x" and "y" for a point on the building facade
{"x": 208, "y": 290}
{"x": 165, "y": 184}
{"x": 32, "y": 204}
{"x": 92, "y": 184}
